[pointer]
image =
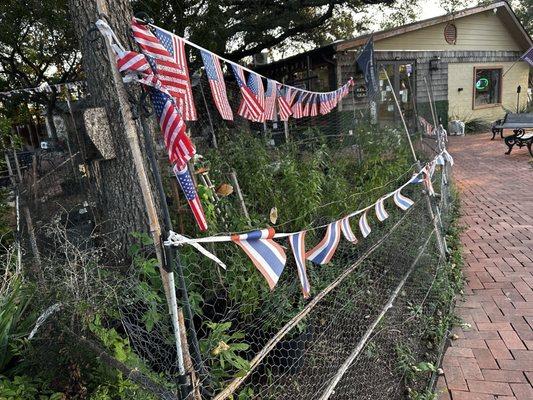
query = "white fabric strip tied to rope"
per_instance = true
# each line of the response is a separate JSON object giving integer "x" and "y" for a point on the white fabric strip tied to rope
{"x": 175, "y": 239}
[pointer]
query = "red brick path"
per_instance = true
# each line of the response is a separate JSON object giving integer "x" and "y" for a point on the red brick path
{"x": 492, "y": 355}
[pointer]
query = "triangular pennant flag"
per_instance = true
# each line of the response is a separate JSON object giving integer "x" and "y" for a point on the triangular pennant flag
{"x": 432, "y": 166}
{"x": 268, "y": 256}
{"x": 427, "y": 181}
{"x": 448, "y": 157}
{"x": 347, "y": 230}
{"x": 380, "y": 210}
{"x": 297, "y": 241}
{"x": 417, "y": 178}
{"x": 364, "y": 227}
{"x": 401, "y": 201}
{"x": 324, "y": 251}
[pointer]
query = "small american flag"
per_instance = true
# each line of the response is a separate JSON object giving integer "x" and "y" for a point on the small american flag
{"x": 170, "y": 64}
{"x": 307, "y": 105}
{"x": 255, "y": 83}
{"x": 216, "y": 82}
{"x": 297, "y": 107}
{"x": 131, "y": 61}
{"x": 528, "y": 56}
{"x": 270, "y": 100}
{"x": 250, "y": 104}
{"x": 187, "y": 185}
{"x": 283, "y": 106}
{"x": 179, "y": 146}
{"x": 325, "y": 103}
{"x": 313, "y": 110}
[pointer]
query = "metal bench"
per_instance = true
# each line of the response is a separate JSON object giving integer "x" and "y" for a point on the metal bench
{"x": 518, "y": 123}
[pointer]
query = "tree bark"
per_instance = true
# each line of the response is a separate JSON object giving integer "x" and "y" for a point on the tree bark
{"x": 119, "y": 197}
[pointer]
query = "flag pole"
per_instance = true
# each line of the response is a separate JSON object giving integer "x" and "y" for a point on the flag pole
{"x": 401, "y": 115}
{"x": 511, "y": 67}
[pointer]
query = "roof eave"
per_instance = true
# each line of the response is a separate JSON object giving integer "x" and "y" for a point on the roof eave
{"x": 359, "y": 41}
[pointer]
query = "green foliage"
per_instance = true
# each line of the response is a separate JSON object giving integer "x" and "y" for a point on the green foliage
{"x": 15, "y": 320}
{"x": 222, "y": 349}
{"x": 261, "y": 25}
{"x": 37, "y": 44}
{"x": 524, "y": 12}
{"x": 23, "y": 387}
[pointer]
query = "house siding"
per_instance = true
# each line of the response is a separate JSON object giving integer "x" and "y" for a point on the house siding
{"x": 483, "y": 31}
{"x": 461, "y": 103}
{"x": 463, "y": 62}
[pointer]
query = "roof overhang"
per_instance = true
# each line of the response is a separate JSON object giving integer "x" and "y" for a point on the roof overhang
{"x": 508, "y": 16}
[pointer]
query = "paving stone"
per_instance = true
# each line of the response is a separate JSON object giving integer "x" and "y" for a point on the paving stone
{"x": 494, "y": 358}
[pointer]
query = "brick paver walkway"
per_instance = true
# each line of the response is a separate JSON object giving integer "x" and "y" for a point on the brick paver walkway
{"x": 492, "y": 357}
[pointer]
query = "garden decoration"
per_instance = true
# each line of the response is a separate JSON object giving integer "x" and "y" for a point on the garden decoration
{"x": 163, "y": 69}
{"x": 269, "y": 257}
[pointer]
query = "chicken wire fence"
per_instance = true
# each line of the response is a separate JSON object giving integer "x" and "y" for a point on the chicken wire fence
{"x": 378, "y": 311}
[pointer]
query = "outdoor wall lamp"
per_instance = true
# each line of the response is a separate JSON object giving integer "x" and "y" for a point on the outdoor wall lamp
{"x": 460, "y": 89}
{"x": 434, "y": 64}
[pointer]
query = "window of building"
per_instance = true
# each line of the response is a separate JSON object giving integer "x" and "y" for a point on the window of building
{"x": 487, "y": 87}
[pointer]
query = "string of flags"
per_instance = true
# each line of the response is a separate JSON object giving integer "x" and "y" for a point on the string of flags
{"x": 269, "y": 257}
{"x": 426, "y": 126}
{"x": 44, "y": 87}
{"x": 162, "y": 68}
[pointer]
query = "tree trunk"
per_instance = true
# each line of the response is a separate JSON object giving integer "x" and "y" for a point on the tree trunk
{"x": 120, "y": 200}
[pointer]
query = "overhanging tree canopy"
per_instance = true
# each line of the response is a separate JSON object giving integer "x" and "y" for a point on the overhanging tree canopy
{"x": 240, "y": 28}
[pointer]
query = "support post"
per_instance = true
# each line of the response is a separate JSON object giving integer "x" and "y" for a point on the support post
{"x": 172, "y": 255}
{"x": 239, "y": 194}
{"x": 155, "y": 229}
{"x": 442, "y": 246}
{"x": 430, "y": 99}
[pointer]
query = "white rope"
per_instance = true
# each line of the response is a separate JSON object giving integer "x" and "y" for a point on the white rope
{"x": 234, "y": 63}
{"x": 175, "y": 239}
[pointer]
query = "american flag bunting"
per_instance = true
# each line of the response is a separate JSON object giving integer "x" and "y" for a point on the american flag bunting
{"x": 217, "y": 84}
{"x": 170, "y": 64}
{"x": 187, "y": 186}
{"x": 298, "y": 106}
{"x": 250, "y": 106}
{"x": 178, "y": 144}
{"x": 270, "y": 100}
{"x": 284, "y": 106}
{"x": 255, "y": 84}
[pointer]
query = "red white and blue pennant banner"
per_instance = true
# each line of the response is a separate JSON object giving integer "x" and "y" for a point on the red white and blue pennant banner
{"x": 269, "y": 257}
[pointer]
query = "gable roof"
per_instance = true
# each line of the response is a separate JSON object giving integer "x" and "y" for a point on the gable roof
{"x": 508, "y": 16}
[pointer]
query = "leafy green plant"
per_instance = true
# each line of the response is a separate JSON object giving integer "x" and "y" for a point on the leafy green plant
{"x": 15, "y": 320}
{"x": 221, "y": 348}
{"x": 23, "y": 387}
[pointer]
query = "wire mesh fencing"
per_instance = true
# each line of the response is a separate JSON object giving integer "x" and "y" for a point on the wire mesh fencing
{"x": 376, "y": 315}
